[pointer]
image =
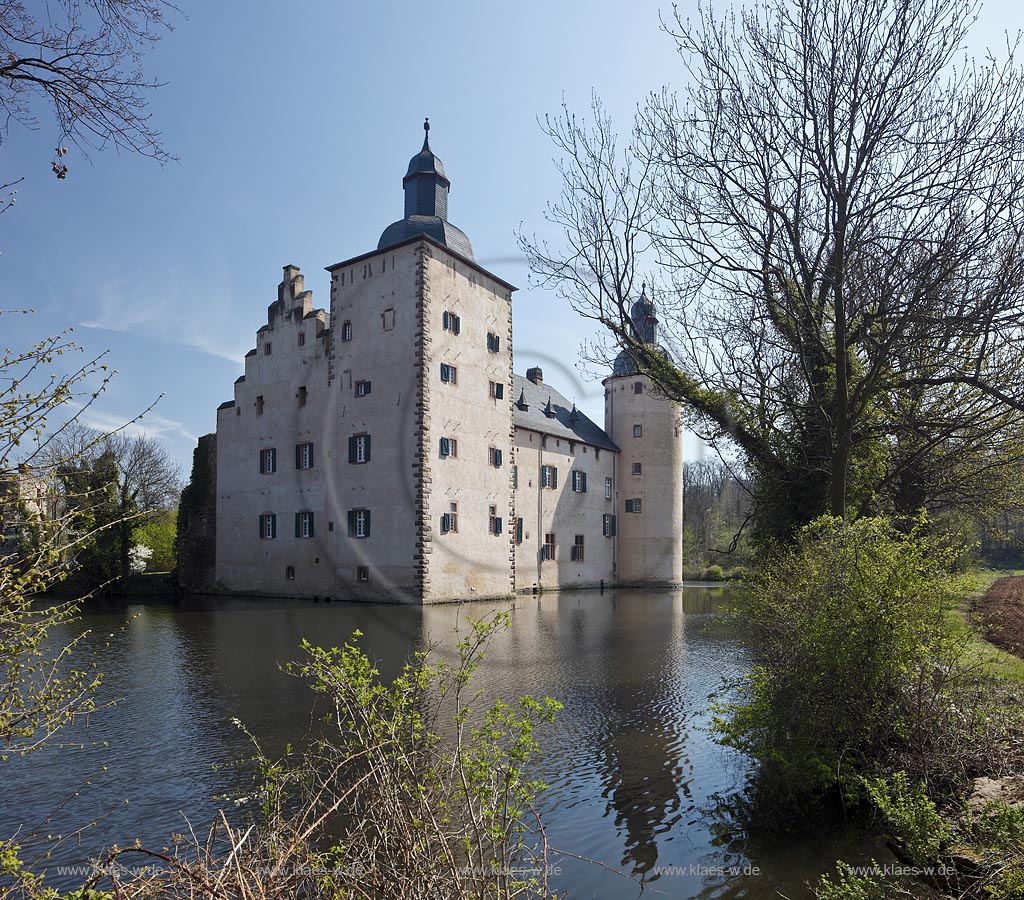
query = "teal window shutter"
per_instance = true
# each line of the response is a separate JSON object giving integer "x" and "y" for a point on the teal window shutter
{"x": 352, "y": 449}
{"x": 519, "y": 530}
{"x": 298, "y": 456}
{"x": 366, "y": 530}
{"x": 554, "y": 477}
{"x": 298, "y": 526}
{"x": 497, "y": 525}
{"x": 351, "y": 522}
{"x": 367, "y": 450}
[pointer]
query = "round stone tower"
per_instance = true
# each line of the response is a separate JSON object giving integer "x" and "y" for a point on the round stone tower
{"x": 649, "y": 473}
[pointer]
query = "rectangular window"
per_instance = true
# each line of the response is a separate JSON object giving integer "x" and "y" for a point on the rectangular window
{"x": 449, "y": 447}
{"x": 577, "y": 549}
{"x": 268, "y": 526}
{"x": 450, "y": 520}
{"x": 302, "y": 339}
{"x": 304, "y": 456}
{"x": 608, "y": 525}
{"x": 362, "y": 388}
{"x": 494, "y": 457}
{"x": 547, "y": 551}
{"x": 548, "y": 477}
{"x": 387, "y": 319}
{"x": 304, "y": 524}
{"x": 268, "y": 460}
{"x": 638, "y": 387}
{"x": 493, "y": 342}
{"x": 267, "y": 347}
{"x": 449, "y": 374}
{"x": 497, "y": 390}
{"x": 289, "y": 573}
{"x": 302, "y": 396}
{"x": 346, "y": 331}
{"x": 608, "y": 489}
{"x": 637, "y": 469}
{"x": 451, "y": 322}
{"x": 579, "y": 481}
{"x": 638, "y": 431}
{"x": 362, "y": 574}
{"x": 259, "y": 405}
{"x": 359, "y": 523}
{"x": 633, "y": 506}
{"x": 359, "y": 448}
{"x": 493, "y": 520}
{"x": 519, "y": 530}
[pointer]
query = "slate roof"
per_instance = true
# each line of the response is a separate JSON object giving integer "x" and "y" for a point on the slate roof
{"x": 441, "y": 230}
{"x": 563, "y": 423}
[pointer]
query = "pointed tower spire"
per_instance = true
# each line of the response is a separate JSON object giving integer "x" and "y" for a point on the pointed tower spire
{"x": 426, "y": 204}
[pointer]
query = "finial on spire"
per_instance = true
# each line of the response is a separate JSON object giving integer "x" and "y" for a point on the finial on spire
{"x": 426, "y": 134}
{"x": 643, "y": 288}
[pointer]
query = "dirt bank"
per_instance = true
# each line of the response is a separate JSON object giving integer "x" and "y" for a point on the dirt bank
{"x": 1000, "y": 614}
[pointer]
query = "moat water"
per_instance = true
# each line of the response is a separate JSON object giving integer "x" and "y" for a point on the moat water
{"x": 636, "y": 779}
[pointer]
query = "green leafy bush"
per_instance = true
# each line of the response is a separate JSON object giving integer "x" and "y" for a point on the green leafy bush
{"x": 848, "y": 885}
{"x": 714, "y": 573}
{"x": 911, "y": 819}
{"x": 851, "y": 657}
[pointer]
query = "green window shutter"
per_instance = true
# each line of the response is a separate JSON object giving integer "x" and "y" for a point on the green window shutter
{"x": 583, "y": 482}
{"x": 263, "y": 467}
{"x": 311, "y": 532}
{"x": 367, "y": 448}
{"x": 261, "y": 527}
{"x": 497, "y": 525}
{"x": 366, "y": 522}
{"x": 554, "y": 477}
{"x": 519, "y": 530}
{"x": 298, "y": 526}
{"x": 446, "y": 523}
{"x": 613, "y": 526}
{"x": 352, "y": 449}
{"x": 351, "y": 522}
{"x": 499, "y": 391}
{"x": 515, "y": 477}
{"x": 445, "y": 446}
{"x": 311, "y": 456}
{"x": 497, "y": 458}
{"x": 298, "y": 456}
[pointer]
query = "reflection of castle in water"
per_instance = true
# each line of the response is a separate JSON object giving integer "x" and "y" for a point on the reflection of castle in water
{"x": 645, "y": 767}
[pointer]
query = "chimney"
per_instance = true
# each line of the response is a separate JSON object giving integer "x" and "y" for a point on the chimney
{"x": 536, "y": 375}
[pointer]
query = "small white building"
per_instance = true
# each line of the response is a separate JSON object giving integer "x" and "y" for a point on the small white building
{"x": 386, "y": 450}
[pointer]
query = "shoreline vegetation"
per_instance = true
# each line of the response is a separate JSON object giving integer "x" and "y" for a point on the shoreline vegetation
{"x": 876, "y": 702}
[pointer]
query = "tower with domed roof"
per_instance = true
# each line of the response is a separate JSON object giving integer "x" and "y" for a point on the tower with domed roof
{"x": 647, "y": 427}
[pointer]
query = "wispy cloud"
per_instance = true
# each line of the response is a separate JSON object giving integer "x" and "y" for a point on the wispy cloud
{"x": 168, "y": 310}
{"x": 148, "y": 424}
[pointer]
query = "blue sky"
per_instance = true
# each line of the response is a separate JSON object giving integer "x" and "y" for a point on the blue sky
{"x": 293, "y": 125}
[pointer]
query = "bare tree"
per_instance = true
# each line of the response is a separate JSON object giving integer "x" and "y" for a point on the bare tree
{"x": 836, "y": 209}
{"x": 82, "y": 59}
